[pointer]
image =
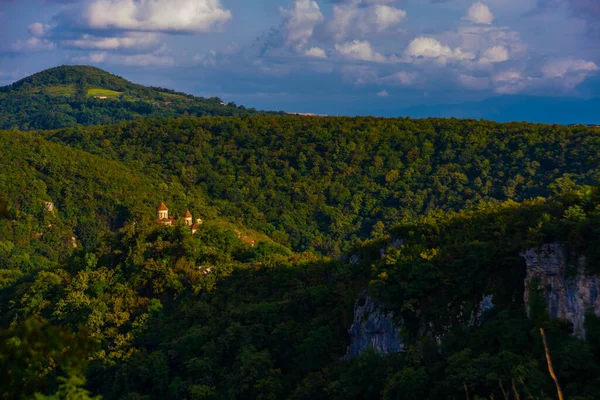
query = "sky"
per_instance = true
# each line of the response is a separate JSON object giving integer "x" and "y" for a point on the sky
{"x": 336, "y": 57}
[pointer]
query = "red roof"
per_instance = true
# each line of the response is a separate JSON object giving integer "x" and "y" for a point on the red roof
{"x": 162, "y": 207}
{"x": 188, "y": 214}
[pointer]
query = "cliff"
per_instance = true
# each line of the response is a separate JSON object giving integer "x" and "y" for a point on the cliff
{"x": 373, "y": 327}
{"x": 567, "y": 296}
{"x": 567, "y": 290}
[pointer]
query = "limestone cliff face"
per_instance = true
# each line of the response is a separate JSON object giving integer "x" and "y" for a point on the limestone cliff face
{"x": 373, "y": 327}
{"x": 566, "y": 297}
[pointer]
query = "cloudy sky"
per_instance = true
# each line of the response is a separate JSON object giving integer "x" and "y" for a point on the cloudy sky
{"x": 324, "y": 56}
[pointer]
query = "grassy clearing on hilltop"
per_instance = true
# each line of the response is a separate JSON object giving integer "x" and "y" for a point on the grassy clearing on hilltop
{"x": 102, "y": 92}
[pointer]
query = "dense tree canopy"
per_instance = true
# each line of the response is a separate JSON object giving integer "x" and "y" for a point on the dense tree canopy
{"x": 98, "y": 299}
{"x": 320, "y": 183}
{"x": 83, "y": 95}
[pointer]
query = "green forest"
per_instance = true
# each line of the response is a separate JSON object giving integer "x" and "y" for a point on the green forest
{"x": 318, "y": 184}
{"x": 302, "y": 219}
{"x": 82, "y": 95}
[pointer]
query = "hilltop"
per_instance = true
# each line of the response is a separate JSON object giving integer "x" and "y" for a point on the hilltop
{"x": 83, "y": 95}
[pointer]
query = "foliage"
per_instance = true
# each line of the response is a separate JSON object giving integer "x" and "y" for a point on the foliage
{"x": 318, "y": 184}
{"x": 64, "y": 96}
{"x": 99, "y": 299}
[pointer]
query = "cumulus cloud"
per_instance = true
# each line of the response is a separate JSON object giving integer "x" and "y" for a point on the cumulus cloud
{"x": 350, "y": 19}
{"x": 132, "y": 60}
{"x": 300, "y": 21}
{"x": 510, "y": 82}
{"x": 33, "y": 44}
{"x": 316, "y": 52}
{"x": 560, "y": 68}
{"x": 156, "y": 15}
{"x": 569, "y": 72}
{"x": 473, "y": 82}
{"x": 128, "y": 41}
{"x": 359, "y": 74}
{"x": 92, "y": 58}
{"x": 359, "y": 50}
{"x": 383, "y": 93}
{"x": 38, "y": 30}
{"x": 424, "y": 47}
{"x": 494, "y": 54}
{"x": 403, "y": 78}
{"x": 479, "y": 13}
{"x": 144, "y": 60}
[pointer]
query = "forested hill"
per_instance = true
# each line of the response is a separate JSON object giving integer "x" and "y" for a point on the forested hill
{"x": 83, "y": 95}
{"x": 321, "y": 183}
{"x": 98, "y": 299}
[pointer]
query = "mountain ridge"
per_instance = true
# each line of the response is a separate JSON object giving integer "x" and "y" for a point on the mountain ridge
{"x": 67, "y": 96}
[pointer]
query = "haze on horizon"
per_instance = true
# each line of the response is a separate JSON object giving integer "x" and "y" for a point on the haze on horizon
{"x": 528, "y": 58}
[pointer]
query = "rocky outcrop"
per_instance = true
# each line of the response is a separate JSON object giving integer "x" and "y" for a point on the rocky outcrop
{"x": 373, "y": 327}
{"x": 486, "y": 304}
{"x": 567, "y": 295}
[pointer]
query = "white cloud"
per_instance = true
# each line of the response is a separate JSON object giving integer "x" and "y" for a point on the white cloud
{"x": 350, "y": 19}
{"x": 510, "y": 82}
{"x": 359, "y": 74}
{"x": 145, "y": 60}
{"x": 33, "y": 44}
{"x": 494, "y": 54}
{"x": 474, "y": 83}
{"x": 562, "y": 67}
{"x": 403, "y": 78}
{"x": 479, "y": 13}
{"x": 128, "y": 41}
{"x": 300, "y": 22}
{"x": 383, "y": 93}
{"x": 316, "y": 52}
{"x": 156, "y": 15}
{"x": 359, "y": 50}
{"x": 386, "y": 16}
{"x": 431, "y": 48}
{"x": 93, "y": 58}
{"x": 38, "y": 30}
{"x": 138, "y": 60}
{"x": 568, "y": 73}
{"x": 481, "y": 38}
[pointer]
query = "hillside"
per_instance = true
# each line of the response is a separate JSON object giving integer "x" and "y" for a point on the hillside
{"x": 83, "y": 95}
{"x": 319, "y": 184}
{"x": 90, "y": 199}
{"x": 419, "y": 265}
{"x": 133, "y": 309}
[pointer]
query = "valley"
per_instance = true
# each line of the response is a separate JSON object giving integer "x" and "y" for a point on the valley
{"x": 299, "y": 258}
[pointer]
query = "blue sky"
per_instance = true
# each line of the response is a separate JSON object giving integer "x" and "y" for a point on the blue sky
{"x": 326, "y": 56}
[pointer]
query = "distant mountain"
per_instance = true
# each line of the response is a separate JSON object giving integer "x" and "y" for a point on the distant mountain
{"x": 83, "y": 95}
{"x": 565, "y": 111}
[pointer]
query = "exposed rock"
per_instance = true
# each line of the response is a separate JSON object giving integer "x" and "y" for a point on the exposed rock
{"x": 566, "y": 297}
{"x": 487, "y": 303}
{"x": 374, "y": 328}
